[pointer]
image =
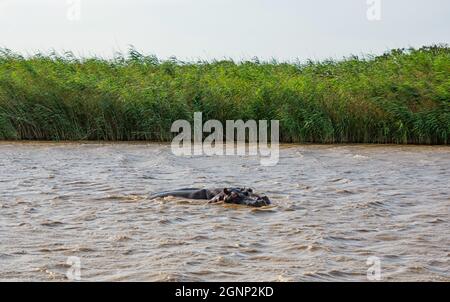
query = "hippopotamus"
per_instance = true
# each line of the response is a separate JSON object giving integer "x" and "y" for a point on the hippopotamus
{"x": 243, "y": 196}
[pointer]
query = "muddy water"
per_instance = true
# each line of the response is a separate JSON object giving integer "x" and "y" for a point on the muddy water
{"x": 335, "y": 206}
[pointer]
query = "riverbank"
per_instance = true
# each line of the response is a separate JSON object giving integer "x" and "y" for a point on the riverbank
{"x": 400, "y": 97}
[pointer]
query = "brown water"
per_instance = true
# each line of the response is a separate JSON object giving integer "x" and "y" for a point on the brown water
{"x": 335, "y": 206}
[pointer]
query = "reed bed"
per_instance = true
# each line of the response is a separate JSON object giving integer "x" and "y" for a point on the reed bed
{"x": 402, "y": 96}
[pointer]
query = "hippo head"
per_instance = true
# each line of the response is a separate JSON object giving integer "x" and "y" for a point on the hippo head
{"x": 245, "y": 196}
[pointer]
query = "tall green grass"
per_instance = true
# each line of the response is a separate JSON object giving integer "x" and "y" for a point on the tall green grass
{"x": 402, "y": 96}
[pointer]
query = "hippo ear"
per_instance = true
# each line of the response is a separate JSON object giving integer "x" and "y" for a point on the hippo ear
{"x": 226, "y": 191}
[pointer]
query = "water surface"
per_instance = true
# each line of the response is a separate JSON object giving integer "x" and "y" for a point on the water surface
{"x": 335, "y": 206}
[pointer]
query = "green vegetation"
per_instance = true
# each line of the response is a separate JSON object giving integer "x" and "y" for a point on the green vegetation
{"x": 402, "y": 96}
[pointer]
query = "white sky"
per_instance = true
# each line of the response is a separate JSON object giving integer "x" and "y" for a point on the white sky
{"x": 206, "y": 29}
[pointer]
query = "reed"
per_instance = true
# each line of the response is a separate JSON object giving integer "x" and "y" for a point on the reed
{"x": 402, "y": 96}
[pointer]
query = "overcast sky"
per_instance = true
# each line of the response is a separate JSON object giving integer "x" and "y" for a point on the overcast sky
{"x": 240, "y": 29}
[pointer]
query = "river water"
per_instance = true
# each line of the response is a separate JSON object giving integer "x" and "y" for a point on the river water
{"x": 339, "y": 211}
